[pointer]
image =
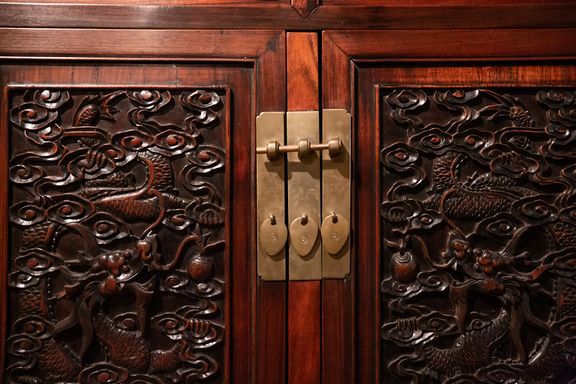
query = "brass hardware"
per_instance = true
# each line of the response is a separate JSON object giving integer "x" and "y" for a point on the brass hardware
{"x": 304, "y": 262}
{"x": 335, "y": 231}
{"x": 303, "y": 233}
{"x": 305, "y": 148}
{"x": 336, "y": 196}
{"x": 273, "y": 236}
{"x": 310, "y": 256}
{"x": 270, "y": 179}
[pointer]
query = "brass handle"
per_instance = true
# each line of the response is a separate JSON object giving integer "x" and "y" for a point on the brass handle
{"x": 304, "y": 148}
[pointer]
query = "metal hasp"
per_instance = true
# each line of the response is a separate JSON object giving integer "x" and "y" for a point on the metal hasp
{"x": 304, "y": 148}
{"x": 270, "y": 202}
{"x": 304, "y": 198}
{"x": 336, "y": 205}
{"x": 318, "y": 191}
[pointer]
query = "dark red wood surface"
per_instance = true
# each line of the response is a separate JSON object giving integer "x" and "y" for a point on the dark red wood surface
{"x": 355, "y": 63}
{"x": 338, "y": 300}
{"x": 304, "y": 297}
{"x": 276, "y": 14}
{"x": 254, "y": 71}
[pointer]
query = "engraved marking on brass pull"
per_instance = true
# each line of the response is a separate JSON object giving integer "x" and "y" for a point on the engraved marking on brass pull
{"x": 335, "y": 232}
{"x": 273, "y": 236}
{"x": 303, "y": 233}
{"x": 305, "y": 148}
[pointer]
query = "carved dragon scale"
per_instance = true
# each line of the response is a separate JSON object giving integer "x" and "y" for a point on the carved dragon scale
{"x": 118, "y": 244}
{"x": 478, "y": 210}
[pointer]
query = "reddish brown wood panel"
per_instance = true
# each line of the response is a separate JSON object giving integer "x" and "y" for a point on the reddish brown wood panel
{"x": 457, "y": 45}
{"x": 485, "y": 255}
{"x": 166, "y": 3}
{"x": 270, "y": 330}
{"x": 274, "y": 15}
{"x": 302, "y": 71}
{"x": 338, "y": 301}
{"x": 4, "y": 228}
{"x": 337, "y": 76}
{"x": 441, "y": 3}
{"x": 367, "y": 56}
{"x": 271, "y": 333}
{"x": 304, "y": 7}
{"x": 477, "y": 369}
{"x": 115, "y": 236}
{"x": 136, "y": 44}
{"x": 337, "y": 331}
{"x": 304, "y": 332}
{"x": 304, "y": 297}
{"x": 261, "y": 65}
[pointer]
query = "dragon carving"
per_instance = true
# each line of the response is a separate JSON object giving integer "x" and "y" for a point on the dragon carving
{"x": 479, "y": 211}
{"x": 118, "y": 236}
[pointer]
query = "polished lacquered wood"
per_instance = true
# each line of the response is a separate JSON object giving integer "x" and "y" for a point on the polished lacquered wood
{"x": 254, "y": 71}
{"x": 276, "y": 14}
{"x": 338, "y": 53}
{"x": 304, "y": 305}
{"x": 355, "y": 63}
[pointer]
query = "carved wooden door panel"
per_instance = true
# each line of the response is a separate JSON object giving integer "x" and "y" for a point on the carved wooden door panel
{"x": 127, "y": 188}
{"x": 464, "y": 198}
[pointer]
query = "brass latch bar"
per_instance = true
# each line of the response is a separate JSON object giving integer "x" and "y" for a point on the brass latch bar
{"x": 305, "y": 148}
{"x": 303, "y": 199}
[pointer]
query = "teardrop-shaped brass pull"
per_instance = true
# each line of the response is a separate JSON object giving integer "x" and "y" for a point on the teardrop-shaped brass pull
{"x": 273, "y": 236}
{"x": 335, "y": 231}
{"x": 303, "y": 233}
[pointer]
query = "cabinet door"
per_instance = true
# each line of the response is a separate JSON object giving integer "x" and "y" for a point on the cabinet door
{"x": 464, "y": 201}
{"x": 127, "y": 182}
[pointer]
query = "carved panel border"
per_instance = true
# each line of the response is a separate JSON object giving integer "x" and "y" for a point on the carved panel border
{"x": 478, "y": 211}
{"x": 118, "y": 211}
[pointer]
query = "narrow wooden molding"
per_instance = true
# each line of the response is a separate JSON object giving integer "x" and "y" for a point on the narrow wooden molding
{"x": 456, "y": 45}
{"x": 276, "y": 14}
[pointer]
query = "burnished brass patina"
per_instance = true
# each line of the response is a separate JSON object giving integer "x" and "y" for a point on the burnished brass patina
{"x": 316, "y": 185}
{"x": 270, "y": 199}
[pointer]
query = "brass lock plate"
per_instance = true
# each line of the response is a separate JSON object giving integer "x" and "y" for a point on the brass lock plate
{"x": 318, "y": 191}
{"x": 336, "y": 192}
{"x": 270, "y": 200}
{"x": 304, "y": 194}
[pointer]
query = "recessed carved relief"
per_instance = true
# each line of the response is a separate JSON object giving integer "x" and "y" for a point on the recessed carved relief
{"x": 479, "y": 236}
{"x": 118, "y": 240}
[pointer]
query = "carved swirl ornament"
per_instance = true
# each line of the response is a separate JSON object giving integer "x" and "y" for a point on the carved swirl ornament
{"x": 118, "y": 243}
{"x": 479, "y": 236}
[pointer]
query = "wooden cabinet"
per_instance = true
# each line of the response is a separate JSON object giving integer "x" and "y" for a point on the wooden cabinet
{"x": 129, "y": 233}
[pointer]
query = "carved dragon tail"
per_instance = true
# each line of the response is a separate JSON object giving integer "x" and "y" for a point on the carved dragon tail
{"x": 472, "y": 350}
{"x": 31, "y": 299}
{"x": 550, "y": 358}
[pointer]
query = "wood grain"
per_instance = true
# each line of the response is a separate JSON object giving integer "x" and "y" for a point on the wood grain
{"x": 457, "y": 45}
{"x": 337, "y": 72}
{"x": 136, "y": 44}
{"x": 366, "y": 170}
{"x": 302, "y": 71}
{"x": 367, "y": 232}
{"x": 304, "y": 7}
{"x": 338, "y": 300}
{"x": 304, "y": 332}
{"x": 4, "y": 226}
{"x": 304, "y": 297}
{"x": 281, "y": 15}
{"x": 337, "y": 330}
{"x": 254, "y": 69}
{"x": 270, "y": 332}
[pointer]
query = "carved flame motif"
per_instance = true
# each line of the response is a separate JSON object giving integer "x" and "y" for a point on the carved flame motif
{"x": 479, "y": 236}
{"x": 118, "y": 236}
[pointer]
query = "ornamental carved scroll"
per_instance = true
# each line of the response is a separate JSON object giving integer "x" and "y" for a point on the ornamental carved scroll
{"x": 117, "y": 216}
{"x": 479, "y": 236}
